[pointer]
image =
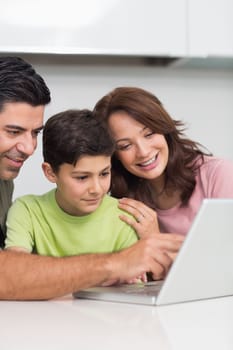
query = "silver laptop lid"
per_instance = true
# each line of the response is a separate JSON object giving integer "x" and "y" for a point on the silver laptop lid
{"x": 203, "y": 268}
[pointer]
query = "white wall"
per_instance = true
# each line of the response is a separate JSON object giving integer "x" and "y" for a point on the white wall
{"x": 203, "y": 98}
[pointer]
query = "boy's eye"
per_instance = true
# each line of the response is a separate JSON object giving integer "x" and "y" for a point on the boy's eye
{"x": 82, "y": 177}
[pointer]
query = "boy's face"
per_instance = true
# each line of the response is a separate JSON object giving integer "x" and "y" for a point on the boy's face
{"x": 81, "y": 188}
{"x": 20, "y": 124}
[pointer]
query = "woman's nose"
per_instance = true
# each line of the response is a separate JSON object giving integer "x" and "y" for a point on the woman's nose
{"x": 142, "y": 149}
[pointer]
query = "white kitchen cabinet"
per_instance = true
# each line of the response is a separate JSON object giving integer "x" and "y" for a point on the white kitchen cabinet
{"x": 111, "y": 27}
{"x": 210, "y": 28}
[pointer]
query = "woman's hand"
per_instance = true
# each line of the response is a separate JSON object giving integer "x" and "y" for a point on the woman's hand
{"x": 145, "y": 223}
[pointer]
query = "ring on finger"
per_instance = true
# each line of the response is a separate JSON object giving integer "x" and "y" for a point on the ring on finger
{"x": 139, "y": 219}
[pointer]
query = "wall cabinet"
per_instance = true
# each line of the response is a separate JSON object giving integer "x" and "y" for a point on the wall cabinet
{"x": 166, "y": 28}
{"x": 112, "y": 27}
{"x": 210, "y": 28}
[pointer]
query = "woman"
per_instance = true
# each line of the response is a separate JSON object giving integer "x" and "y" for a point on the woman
{"x": 164, "y": 174}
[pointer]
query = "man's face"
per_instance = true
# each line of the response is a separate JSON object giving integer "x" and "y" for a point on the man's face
{"x": 20, "y": 124}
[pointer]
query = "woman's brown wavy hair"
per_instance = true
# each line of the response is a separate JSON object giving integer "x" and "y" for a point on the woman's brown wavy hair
{"x": 185, "y": 156}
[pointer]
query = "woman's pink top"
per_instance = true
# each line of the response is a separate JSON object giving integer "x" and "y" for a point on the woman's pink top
{"x": 214, "y": 180}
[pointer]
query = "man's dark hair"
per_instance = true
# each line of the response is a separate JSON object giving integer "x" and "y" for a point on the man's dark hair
{"x": 19, "y": 82}
{"x": 74, "y": 133}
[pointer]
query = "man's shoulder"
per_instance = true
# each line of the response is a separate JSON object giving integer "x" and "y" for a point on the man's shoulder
{"x": 7, "y": 185}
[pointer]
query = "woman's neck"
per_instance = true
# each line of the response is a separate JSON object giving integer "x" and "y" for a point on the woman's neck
{"x": 165, "y": 198}
{"x": 168, "y": 200}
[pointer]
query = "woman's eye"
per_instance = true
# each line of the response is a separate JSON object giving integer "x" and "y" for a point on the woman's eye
{"x": 148, "y": 134}
{"x": 105, "y": 174}
{"x": 122, "y": 147}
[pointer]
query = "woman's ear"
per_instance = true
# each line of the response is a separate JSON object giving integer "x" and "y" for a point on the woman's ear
{"x": 48, "y": 172}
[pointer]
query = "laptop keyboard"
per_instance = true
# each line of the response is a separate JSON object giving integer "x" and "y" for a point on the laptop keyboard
{"x": 150, "y": 288}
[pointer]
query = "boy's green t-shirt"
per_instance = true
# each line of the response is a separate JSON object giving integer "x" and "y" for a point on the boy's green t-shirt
{"x": 39, "y": 225}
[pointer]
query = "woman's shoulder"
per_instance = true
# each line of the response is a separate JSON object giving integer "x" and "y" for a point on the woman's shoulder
{"x": 215, "y": 177}
{"x": 215, "y": 164}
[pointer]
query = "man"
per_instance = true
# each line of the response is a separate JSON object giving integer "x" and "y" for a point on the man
{"x": 23, "y": 96}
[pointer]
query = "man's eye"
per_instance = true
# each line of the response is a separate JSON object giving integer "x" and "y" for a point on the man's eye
{"x": 13, "y": 132}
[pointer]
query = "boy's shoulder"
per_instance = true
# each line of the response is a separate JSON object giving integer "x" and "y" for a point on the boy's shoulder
{"x": 111, "y": 203}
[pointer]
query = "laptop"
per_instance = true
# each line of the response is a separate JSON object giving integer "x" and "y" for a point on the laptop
{"x": 203, "y": 269}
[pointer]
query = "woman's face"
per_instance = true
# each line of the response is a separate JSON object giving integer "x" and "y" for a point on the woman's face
{"x": 141, "y": 151}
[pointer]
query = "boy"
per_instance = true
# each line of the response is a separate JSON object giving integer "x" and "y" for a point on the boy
{"x": 78, "y": 216}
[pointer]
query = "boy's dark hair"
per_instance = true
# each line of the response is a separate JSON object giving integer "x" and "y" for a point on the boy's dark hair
{"x": 74, "y": 133}
{"x": 19, "y": 82}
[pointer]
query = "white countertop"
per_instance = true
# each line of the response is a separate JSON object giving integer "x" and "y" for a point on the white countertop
{"x": 81, "y": 324}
